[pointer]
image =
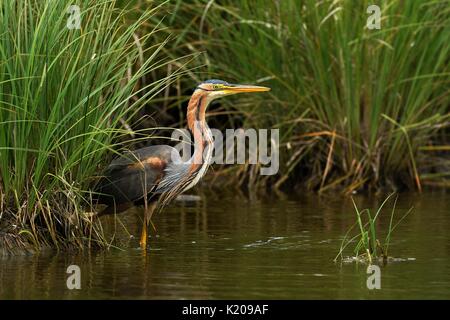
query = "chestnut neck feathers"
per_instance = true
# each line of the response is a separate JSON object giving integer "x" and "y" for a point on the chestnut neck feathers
{"x": 197, "y": 124}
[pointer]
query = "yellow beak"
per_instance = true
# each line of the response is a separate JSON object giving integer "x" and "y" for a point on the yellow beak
{"x": 237, "y": 88}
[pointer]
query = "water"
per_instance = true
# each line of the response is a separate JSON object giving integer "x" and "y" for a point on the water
{"x": 228, "y": 247}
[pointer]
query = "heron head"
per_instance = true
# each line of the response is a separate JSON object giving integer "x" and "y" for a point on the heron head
{"x": 218, "y": 88}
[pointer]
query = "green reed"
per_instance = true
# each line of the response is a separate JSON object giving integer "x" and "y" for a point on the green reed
{"x": 356, "y": 108}
{"x": 66, "y": 97}
{"x": 368, "y": 245}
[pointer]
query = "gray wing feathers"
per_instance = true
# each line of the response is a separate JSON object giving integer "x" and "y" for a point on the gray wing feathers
{"x": 126, "y": 185}
{"x": 162, "y": 151}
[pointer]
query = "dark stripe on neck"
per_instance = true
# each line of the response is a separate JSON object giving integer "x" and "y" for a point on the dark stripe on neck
{"x": 197, "y": 112}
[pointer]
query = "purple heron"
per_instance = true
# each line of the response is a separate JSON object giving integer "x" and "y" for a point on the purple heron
{"x": 150, "y": 175}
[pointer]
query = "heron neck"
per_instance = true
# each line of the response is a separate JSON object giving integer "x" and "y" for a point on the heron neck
{"x": 197, "y": 124}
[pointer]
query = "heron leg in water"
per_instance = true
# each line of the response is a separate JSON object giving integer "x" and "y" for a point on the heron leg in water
{"x": 148, "y": 212}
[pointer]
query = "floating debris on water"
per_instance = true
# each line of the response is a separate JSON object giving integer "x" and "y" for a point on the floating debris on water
{"x": 281, "y": 243}
{"x": 379, "y": 260}
{"x": 263, "y": 242}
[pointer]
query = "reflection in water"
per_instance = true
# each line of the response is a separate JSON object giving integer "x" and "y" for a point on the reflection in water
{"x": 269, "y": 248}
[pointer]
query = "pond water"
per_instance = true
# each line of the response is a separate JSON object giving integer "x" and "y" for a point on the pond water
{"x": 229, "y": 247}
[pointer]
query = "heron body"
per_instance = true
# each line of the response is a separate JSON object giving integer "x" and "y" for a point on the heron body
{"x": 155, "y": 175}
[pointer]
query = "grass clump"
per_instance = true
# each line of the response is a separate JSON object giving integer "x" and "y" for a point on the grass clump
{"x": 66, "y": 96}
{"x": 356, "y": 108}
{"x": 369, "y": 247}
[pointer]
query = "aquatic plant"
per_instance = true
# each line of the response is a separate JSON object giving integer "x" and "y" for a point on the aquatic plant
{"x": 356, "y": 107}
{"x": 71, "y": 78}
{"x": 368, "y": 246}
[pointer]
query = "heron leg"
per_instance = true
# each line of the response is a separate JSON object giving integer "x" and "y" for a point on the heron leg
{"x": 148, "y": 212}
